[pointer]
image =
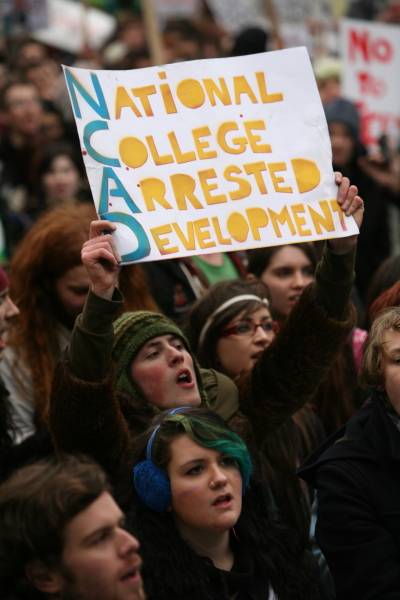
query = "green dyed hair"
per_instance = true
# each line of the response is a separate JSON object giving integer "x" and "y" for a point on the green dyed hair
{"x": 205, "y": 428}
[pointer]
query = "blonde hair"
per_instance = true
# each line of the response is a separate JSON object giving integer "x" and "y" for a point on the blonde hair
{"x": 371, "y": 371}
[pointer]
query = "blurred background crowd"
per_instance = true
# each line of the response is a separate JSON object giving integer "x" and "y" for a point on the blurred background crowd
{"x": 231, "y": 305}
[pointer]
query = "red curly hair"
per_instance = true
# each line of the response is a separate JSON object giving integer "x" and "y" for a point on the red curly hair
{"x": 49, "y": 249}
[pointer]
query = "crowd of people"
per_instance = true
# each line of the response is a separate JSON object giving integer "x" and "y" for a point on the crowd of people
{"x": 210, "y": 427}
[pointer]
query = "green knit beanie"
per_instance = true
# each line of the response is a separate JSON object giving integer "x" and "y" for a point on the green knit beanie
{"x": 131, "y": 331}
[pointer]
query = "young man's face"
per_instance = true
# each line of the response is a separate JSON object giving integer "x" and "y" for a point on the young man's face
{"x": 24, "y": 111}
{"x": 164, "y": 371}
{"x": 100, "y": 559}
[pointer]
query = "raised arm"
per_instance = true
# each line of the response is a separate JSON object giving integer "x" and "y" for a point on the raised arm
{"x": 290, "y": 370}
{"x": 85, "y": 414}
{"x": 91, "y": 343}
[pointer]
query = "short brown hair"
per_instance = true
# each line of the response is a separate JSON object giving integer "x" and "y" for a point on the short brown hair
{"x": 371, "y": 372}
{"x": 36, "y": 504}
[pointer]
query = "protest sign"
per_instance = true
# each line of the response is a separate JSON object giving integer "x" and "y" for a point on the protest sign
{"x": 17, "y": 17}
{"x": 209, "y": 155}
{"x": 167, "y": 9}
{"x": 71, "y": 25}
{"x": 235, "y": 16}
{"x": 371, "y": 76}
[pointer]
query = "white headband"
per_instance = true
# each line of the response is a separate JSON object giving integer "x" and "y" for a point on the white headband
{"x": 225, "y": 305}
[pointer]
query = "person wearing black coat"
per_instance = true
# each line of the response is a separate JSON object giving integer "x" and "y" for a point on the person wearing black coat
{"x": 356, "y": 474}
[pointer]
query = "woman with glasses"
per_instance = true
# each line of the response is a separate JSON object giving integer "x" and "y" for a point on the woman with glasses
{"x": 230, "y": 327}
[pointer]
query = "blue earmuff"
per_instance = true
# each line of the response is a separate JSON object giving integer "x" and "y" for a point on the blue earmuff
{"x": 152, "y": 483}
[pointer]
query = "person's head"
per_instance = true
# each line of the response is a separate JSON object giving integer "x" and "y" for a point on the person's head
{"x": 388, "y": 298}
{"x": 49, "y": 285}
{"x": 250, "y": 40}
{"x": 22, "y": 109}
{"x": 8, "y": 309}
{"x": 63, "y": 534}
{"x": 195, "y": 467}
{"x": 58, "y": 173}
{"x": 183, "y": 40}
{"x": 29, "y": 53}
{"x": 381, "y": 360}
{"x": 153, "y": 361}
{"x": 46, "y": 268}
{"x": 286, "y": 271}
{"x": 328, "y": 73}
{"x": 386, "y": 275}
{"x": 54, "y": 128}
{"x": 344, "y": 129}
{"x": 231, "y": 325}
{"x": 43, "y": 75}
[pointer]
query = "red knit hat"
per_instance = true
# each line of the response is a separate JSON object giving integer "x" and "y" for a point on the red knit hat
{"x": 4, "y": 282}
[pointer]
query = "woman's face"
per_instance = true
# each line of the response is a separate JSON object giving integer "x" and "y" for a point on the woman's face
{"x": 286, "y": 276}
{"x": 71, "y": 289}
{"x": 243, "y": 341}
{"x": 206, "y": 488}
{"x": 62, "y": 181}
{"x": 391, "y": 367}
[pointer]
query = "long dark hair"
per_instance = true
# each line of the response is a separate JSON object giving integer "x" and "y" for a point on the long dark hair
{"x": 173, "y": 570}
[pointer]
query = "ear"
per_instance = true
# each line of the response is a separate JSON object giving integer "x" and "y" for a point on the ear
{"x": 45, "y": 579}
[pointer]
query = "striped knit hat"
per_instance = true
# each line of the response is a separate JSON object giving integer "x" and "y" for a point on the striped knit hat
{"x": 132, "y": 330}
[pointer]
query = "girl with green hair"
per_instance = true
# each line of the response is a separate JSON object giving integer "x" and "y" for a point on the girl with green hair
{"x": 204, "y": 526}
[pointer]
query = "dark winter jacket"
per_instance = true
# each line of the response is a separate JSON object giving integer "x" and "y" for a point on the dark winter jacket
{"x": 356, "y": 474}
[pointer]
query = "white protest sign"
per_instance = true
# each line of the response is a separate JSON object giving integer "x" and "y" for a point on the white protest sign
{"x": 209, "y": 155}
{"x": 371, "y": 76}
{"x": 167, "y": 9}
{"x": 71, "y": 24}
{"x": 235, "y": 16}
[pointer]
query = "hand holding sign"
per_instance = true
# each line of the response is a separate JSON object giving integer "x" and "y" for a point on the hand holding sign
{"x": 352, "y": 205}
{"x": 101, "y": 259}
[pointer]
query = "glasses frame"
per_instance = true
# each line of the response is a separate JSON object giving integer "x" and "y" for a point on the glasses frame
{"x": 232, "y": 329}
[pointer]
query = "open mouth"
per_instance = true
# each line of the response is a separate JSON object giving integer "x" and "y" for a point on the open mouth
{"x": 223, "y": 500}
{"x": 131, "y": 575}
{"x": 184, "y": 378}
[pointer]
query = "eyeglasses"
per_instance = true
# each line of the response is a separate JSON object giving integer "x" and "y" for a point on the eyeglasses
{"x": 249, "y": 328}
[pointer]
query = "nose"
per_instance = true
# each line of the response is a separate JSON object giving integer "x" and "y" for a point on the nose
{"x": 127, "y": 543}
{"x": 261, "y": 336}
{"x": 218, "y": 477}
{"x": 11, "y": 310}
{"x": 175, "y": 355}
{"x": 299, "y": 280}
